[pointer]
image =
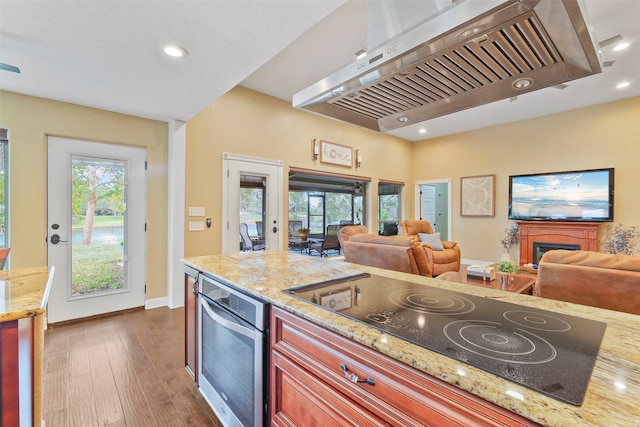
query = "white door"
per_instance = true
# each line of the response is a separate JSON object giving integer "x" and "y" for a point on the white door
{"x": 428, "y": 205}
{"x": 233, "y": 168}
{"x": 433, "y": 203}
{"x": 96, "y": 214}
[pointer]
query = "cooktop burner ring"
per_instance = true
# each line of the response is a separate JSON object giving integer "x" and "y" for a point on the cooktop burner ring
{"x": 431, "y": 301}
{"x": 493, "y": 341}
{"x": 536, "y": 320}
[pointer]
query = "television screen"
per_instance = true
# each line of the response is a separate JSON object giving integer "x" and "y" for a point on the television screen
{"x": 562, "y": 196}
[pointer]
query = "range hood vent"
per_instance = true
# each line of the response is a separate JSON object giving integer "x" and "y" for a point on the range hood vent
{"x": 475, "y": 53}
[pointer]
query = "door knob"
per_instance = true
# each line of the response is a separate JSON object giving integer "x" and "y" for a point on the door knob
{"x": 55, "y": 239}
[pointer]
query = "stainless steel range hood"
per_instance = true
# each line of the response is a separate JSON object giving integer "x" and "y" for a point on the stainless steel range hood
{"x": 472, "y": 53}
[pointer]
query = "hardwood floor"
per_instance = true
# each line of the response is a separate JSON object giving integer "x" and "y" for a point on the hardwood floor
{"x": 122, "y": 370}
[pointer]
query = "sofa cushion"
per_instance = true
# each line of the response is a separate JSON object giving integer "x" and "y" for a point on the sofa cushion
{"x": 432, "y": 240}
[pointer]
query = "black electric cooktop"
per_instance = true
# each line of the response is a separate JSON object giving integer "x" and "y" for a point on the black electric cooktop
{"x": 549, "y": 352}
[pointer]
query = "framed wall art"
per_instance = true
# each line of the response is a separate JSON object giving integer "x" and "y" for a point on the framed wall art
{"x": 477, "y": 195}
{"x": 336, "y": 154}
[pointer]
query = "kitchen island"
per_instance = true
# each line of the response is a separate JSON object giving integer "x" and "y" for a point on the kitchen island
{"x": 613, "y": 394}
{"x": 23, "y": 298}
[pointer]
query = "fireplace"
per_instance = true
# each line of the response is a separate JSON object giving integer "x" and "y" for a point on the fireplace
{"x": 560, "y": 235}
{"x": 539, "y": 248}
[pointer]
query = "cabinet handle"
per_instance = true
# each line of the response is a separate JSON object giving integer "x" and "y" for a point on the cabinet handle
{"x": 353, "y": 377}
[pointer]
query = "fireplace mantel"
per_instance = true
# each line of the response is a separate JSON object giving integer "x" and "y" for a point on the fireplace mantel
{"x": 571, "y": 233}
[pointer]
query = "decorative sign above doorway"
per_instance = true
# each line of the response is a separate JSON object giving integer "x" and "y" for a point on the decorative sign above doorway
{"x": 336, "y": 154}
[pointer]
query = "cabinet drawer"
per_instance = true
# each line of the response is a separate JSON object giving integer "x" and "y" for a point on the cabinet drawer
{"x": 399, "y": 393}
{"x": 303, "y": 400}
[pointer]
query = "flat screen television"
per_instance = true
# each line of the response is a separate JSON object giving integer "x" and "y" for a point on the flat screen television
{"x": 585, "y": 195}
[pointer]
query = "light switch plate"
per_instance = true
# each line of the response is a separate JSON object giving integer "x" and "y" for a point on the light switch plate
{"x": 196, "y": 211}
{"x": 196, "y": 226}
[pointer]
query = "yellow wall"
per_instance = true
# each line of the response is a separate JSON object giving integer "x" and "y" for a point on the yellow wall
{"x": 601, "y": 136}
{"x": 252, "y": 124}
{"x": 248, "y": 123}
{"x": 30, "y": 120}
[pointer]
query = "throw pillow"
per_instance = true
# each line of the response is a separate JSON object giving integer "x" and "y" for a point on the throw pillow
{"x": 400, "y": 230}
{"x": 432, "y": 239}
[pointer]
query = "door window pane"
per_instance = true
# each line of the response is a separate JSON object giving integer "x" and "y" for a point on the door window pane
{"x": 98, "y": 222}
{"x": 252, "y": 204}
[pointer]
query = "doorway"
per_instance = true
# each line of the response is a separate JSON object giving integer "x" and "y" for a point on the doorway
{"x": 433, "y": 203}
{"x": 96, "y": 213}
{"x": 237, "y": 170}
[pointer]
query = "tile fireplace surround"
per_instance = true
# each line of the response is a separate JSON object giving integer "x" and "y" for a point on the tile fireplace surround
{"x": 583, "y": 234}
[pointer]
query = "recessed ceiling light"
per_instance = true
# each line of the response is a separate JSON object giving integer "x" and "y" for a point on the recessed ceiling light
{"x": 622, "y": 85}
{"x": 522, "y": 83}
{"x": 403, "y": 119}
{"x": 422, "y": 130}
{"x": 361, "y": 53}
{"x": 175, "y": 51}
{"x": 621, "y": 46}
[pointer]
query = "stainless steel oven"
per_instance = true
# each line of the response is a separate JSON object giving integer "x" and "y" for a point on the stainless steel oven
{"x": 232, "y": 350}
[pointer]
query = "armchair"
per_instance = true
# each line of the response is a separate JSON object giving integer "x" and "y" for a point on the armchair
{"x": 445, "y": 259}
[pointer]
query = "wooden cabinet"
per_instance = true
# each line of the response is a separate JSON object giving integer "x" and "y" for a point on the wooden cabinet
{"x": 9, "y": 363}
{"x": 21, "y": 347}
{"x": 312, "y": 384}
{"x": 191, "y": 321}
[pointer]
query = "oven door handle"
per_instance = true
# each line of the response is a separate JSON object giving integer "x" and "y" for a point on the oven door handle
{"x": 249, "y": 333}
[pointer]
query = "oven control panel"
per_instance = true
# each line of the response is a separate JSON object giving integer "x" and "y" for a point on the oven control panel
{"x": 247, "y": 307}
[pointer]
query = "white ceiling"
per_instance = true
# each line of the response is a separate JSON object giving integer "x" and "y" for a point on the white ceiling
{"x": 107, "y": 54}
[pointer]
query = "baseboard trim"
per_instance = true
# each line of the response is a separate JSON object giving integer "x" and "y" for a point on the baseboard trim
{"x": 97, "y": 316}
{"x": 150, "y": 304}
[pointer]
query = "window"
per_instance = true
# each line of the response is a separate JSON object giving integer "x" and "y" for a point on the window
{"x": 299, "y": 207}
{"x": 340, "y": 207}
{"x": 389, "y": 207}
{"x": 318, "y": 199}
{"x": 316, "y": 213}
{"x": 4, "y": 188}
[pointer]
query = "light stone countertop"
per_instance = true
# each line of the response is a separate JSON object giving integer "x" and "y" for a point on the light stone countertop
{"x": 613, "y": 395}
{"x": 23, "y": 292}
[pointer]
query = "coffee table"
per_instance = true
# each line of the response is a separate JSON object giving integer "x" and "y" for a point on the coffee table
{"x": 298, "y": 243}
{"x": 517, "y": 283}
